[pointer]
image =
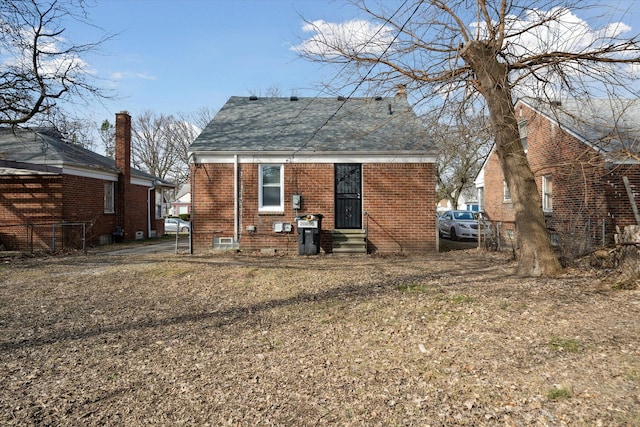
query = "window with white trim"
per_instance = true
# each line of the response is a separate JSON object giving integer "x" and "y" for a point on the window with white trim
{"x": 506, "y": 193}
{"x": 524, "y": 134}
{"x": 109, "y": 197}
{"x": 547, "y": 193}
{"x": 159, "y": 202}
{"x": 271, "y": 188}
{"x": 481, "y": 199}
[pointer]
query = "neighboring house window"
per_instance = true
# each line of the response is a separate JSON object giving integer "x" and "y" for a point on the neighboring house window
{"x": 271, "y": 188}
{"x": 547, "y": 193}
{"x": 506, "y": 192}
{"x": 524, "y": 135}
{"x": 109, "y": 197}
{"x": 158, "y": 203}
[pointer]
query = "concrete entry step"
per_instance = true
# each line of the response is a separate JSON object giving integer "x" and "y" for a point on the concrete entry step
{"x": 349, "y": 241}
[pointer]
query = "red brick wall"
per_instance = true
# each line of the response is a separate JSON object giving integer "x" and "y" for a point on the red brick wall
{"x": 585, "y": 193}
{"x": 213, "y": 204}
{"x": 399, "y": 198}
{"x": 135, "y": 211}
{"x": 49, "y": 199}
{"x": 26, "y": 199}
{"x": 84, "y": 202}
{"x": 401, "y": 203}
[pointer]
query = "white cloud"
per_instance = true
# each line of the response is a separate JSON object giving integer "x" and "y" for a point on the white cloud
{"x": 53, "y": 62}
{"x": 122, "y": 75}
{"x": 355, "y": 36}
{"x": 557, "y": 29}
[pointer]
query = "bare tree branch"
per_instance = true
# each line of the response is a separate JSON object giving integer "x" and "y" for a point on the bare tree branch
{"x": 494, "y": 51}
{"x": 40, "y": 68}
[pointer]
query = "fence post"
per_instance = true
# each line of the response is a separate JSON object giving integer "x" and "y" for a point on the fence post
{"x": 84, "y": 238}
{"x": 604, "y": 232}
{"x": 30, "y": 236}
{"x": 53, "y": 238}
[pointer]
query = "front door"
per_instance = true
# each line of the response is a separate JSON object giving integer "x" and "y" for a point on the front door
{"x": 348, "y": 193}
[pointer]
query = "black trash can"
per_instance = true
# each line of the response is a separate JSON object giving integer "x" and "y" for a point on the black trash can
{"x": 118, "y": 234}
{"x": 309, "y": 227}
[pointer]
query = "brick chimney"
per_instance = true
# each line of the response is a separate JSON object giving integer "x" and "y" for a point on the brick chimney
{"x": 123, "y": 163}
{"x": 123, "y": 144}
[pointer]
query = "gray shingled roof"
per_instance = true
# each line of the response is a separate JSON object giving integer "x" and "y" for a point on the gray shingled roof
{"x": 608, "y": 125}
{"x": 314, "y": 125}
{"x": 46, "y": 148}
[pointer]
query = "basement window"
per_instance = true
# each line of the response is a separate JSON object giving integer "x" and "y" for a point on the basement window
{"x": 271, "y": 188}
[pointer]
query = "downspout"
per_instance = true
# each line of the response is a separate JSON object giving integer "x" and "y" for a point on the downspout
{"x": 152, "y": 188}
{"x": 235, "y": 199}
{"x": 149, "y": 210}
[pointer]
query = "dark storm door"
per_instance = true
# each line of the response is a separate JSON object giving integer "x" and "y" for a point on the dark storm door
{"x": 348, "y": 193}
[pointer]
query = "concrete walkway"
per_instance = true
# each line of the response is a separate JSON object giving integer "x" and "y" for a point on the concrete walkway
{"x": 153, "y": 246}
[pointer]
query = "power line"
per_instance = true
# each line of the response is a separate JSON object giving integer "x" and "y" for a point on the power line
{"x": 363, "y": 79}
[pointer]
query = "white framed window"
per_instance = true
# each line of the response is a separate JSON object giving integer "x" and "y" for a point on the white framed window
{"x": 109, "y": 197}
{"x": 159, "y": 203}
{"x": 547, "y": 193}
{"x": 271, "y": 188}
{"x": 524, "y": 134}
{"x": 506, "y": 193}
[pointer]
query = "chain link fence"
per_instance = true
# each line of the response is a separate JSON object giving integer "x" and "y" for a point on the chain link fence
{"x": 570, "y": 238}
{"x": 44, "y": 237}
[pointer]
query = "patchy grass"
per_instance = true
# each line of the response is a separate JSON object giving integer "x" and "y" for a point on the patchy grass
{"x": 559, "y": 393}
{"x": 311, "y": 341}
{"x": 569, "y": 345}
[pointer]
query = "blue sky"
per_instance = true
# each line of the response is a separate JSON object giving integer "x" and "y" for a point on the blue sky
{"x": 172, "y": 56}
{"x": 177, "y": 56}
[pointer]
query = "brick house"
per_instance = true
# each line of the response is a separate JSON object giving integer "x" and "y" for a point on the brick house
{"x": 51, "y": 190}
{"x": 362, "y": 163}
{"x": 578, "y": 151}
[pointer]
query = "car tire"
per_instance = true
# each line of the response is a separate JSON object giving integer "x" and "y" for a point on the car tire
{"x": 452, "y": 234}
{"x": 184, "y": 229}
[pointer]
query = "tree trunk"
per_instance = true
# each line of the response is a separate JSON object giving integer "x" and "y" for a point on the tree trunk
{"x": 536, "y": 256}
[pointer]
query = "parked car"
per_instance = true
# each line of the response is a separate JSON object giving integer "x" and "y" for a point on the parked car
{"x": 173, "y": 225}
{"x": 460, "y": 225}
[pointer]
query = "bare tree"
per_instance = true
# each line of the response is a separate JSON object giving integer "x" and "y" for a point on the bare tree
{"x": 490, "y": 52}
{"x": 151, "y": 144}
{"x": 160, "y": 143}
{"x": 108, "y": 138}
{"x": 463, "y": 142}
{"x": 75, "y": 131}
{"x": 41, "y": 69}
{"x": 199, "y": 119}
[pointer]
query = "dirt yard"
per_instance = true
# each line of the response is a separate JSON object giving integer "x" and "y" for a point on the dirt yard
{"x": 440, "y": 340}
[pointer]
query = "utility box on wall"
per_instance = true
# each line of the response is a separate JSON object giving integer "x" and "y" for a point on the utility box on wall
{"x": 296, "y": 201}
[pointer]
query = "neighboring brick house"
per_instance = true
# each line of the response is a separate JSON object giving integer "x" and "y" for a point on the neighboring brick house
{"x": 362, "y": 163}
{"x": 579, "y": 153}
{"x": 50, "y": 190}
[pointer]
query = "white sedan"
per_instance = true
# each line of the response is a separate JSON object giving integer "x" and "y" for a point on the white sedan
{"x": 173, "y": 225}
{"x": 458, "y": 225}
